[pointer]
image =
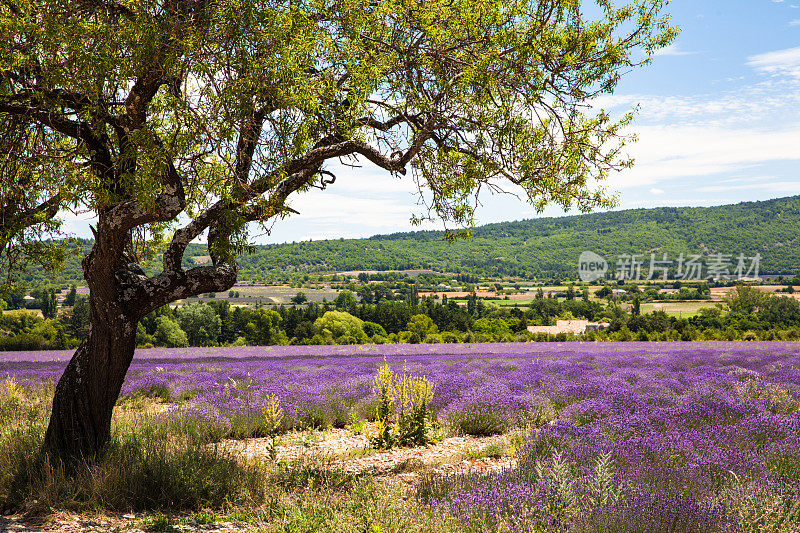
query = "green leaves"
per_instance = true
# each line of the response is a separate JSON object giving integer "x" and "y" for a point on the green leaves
{"x": 247, "y": 101}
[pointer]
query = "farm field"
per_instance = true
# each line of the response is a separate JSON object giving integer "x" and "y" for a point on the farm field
{"x": 678, "y": 309}
{"x": 270, "y": 294}
{"x": 527, "y": 437}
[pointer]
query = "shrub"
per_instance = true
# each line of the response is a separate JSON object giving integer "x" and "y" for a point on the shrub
{"x": 341, "y": 324}
{"x": 372, "y": 329}
{"x": 452, "y": 337}
{"x": 382, "y": 389}
{"x": 476, "y": 418}
{"x": 406, "y": 399}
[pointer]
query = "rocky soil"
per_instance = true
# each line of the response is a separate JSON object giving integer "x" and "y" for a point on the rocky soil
{"x": 336, "y": 448}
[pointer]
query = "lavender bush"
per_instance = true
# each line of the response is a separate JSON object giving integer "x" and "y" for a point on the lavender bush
{"x": 621, "y": 437}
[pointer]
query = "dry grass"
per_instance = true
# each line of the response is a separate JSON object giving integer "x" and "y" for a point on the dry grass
{"x": 168, "y": 479}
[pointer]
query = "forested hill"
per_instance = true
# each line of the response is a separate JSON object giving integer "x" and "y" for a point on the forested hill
{"x": 548, "y": 247}
{"x": 545, "y": 247}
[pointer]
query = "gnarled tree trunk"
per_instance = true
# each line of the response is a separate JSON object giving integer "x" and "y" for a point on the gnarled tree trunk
{"x": 80, "y": 424}
{"x": 120, "y": 295}
{"x": 85, "y": 396}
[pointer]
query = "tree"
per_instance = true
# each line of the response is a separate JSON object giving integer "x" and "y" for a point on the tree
{"x": 69, "y": 299}
{"x": 80, "y": 318}
{"x": 215, "y": 114}
{"x": 745, "y": 300}
{"x": 345, "y": 300}
{"x": 341, "y": 323}
{"x": 201, "y": 324}
{"x": 495, "y": 326}
{"x": 264, "y": 328}
{"x": 472, "y": 301}
{"x": 372, "y": 329}
{"x": 49, "y": 304}
{"x": 365, "y": 294}
{"x": 299, "y": 298}
{"x": 421, "y": 325}
{"x": 169, "y": 333}
{"x": 780, "y": 311}
{"x": 636, "y": 307}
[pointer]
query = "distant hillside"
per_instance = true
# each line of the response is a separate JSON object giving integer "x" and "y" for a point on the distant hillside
{"x": 547, "y": 247}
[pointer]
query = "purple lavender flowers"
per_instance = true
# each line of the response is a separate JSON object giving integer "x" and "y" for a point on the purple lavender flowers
{"x": 619, "y": 437}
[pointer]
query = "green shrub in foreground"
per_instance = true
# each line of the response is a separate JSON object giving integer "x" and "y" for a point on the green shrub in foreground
{"x": 406, "y": 399}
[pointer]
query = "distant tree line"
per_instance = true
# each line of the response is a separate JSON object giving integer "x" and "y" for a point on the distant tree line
{"x": 746, "y": 314}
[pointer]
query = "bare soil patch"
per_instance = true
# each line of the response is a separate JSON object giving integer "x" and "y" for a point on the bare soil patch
{"x": 341, "y": 448}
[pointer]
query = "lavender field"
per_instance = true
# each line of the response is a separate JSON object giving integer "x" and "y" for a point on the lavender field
{"x": 619, "y": 436}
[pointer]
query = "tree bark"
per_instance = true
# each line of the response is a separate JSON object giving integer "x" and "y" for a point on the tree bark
{"x": 120, "y": 295}
{"x": 80, "y": 424}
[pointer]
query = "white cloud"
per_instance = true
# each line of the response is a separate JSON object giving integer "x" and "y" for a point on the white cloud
{"x": 368, "y": 179}
{"x": 762, "y": 101}
{"x": 672, "y": 50}
{"x": 673, "y": 152}
{"x": 330, "y": 207}
{"x": 778, "y": 187}
{"x": 795, "y": 22}
{"x": 778, "y": 62}
{"x": 656, "y": 191}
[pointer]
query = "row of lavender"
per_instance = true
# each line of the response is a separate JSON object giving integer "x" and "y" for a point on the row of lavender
{"x": 484, "y": 388}
{"x": 694, "y": 439}
{"x": 660, "y": 436}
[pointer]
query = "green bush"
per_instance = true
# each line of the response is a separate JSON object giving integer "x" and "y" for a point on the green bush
{"x": 372, "y": 329}
{"x": 340, "y": 324}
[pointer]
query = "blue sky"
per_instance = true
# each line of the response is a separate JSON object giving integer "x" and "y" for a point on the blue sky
{"x": 719, "y": 123}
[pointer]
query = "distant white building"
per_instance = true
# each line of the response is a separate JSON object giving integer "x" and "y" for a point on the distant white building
{"x": 570, "y": 326}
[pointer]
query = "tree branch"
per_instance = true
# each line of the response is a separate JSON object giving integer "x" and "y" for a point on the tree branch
{"x": 152, "y": 293}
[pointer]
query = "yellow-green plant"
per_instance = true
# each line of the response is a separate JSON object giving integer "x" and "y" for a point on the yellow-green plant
{"x": 414, "y": 418}
{"x": 410, "y": 396}
{"x": 273, "y": 418}
{"x": 273, "y": 415}
{"x": 10, "y": 393}
{"x": 383, "y": 389}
